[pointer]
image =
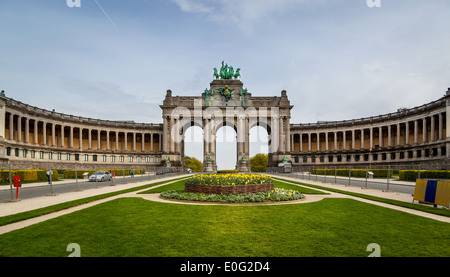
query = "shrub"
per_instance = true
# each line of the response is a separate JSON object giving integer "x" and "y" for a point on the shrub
{"x": 412, "y": 175}
{"x": 275, "y": 195}
{"x": 29, "y": 175}
{"x": 361, "y": 173}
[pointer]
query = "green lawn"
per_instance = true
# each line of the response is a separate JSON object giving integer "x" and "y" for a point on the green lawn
{"x": 137, "y": 227}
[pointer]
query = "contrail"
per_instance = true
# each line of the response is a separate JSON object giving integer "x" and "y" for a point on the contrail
{"x": 106, "y": 14}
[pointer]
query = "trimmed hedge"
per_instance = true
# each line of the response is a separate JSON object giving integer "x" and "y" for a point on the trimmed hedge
{"x": 70, "y": 174}
{"x": 381, "y": 173}
{"x": 27, "y": 175}
{"x": 412, "y": 175}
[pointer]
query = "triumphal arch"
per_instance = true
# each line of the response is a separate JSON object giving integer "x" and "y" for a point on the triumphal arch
{"x": 227, "y": 102}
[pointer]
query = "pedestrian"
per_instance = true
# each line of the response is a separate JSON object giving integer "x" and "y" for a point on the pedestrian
{"x": 49, "y": 175}
{"x": 132, "y": 173}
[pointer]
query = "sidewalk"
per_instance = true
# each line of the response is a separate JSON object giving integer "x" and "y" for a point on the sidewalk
{"x": 60, "y": 182}
{"x": 405, "y": 197}
{"x": 330, "y": 178}
{"x": 9, "y": 208}
{"x": 44, "y": 201}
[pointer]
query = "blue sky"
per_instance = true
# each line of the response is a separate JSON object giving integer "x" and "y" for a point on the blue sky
{"x": 337, "y": 59}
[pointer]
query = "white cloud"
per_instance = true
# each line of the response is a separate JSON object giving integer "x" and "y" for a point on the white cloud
{"x": 192, "y": 6}
{"x": 244, "y": 14}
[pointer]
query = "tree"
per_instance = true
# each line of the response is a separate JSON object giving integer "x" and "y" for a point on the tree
{"x": 258, "y": 163}
{"x": 193, "y": 163}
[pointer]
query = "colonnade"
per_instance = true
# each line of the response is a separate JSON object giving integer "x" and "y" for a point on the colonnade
{"x": 401, "y": 133}
{"x": 36, "y": 131}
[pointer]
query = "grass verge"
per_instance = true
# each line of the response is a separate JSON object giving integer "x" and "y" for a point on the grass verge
{"x": 414, "y": 206}
{"x": 134, "y": 227}
{"x": 58, "y": 207}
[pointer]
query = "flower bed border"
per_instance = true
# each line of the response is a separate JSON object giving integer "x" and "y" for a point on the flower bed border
{"x": 214, "y": 189}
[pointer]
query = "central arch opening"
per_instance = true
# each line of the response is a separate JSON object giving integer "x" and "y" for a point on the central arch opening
{"x": 259, "y": 144}
{"x": 193, "y": 144}
{"x": 226, "y": 148}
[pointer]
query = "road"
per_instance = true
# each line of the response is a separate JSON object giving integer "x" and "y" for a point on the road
{"x": 28, "y": 191}
{"x": 379, "y": 184}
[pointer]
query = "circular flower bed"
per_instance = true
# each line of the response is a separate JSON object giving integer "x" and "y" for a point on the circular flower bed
{"x": 274, "y": 195}
{"x": 231, "y": 188}
{"x": 228, "y": 183}
{"x": 229, "y": 179}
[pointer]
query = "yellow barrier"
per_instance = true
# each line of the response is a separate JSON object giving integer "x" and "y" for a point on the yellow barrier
{"x": 419, "y": 191}
{"x": 433, "y": 192}
{"x": 443, "y": 193}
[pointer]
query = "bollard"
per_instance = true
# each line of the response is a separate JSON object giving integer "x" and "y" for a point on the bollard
{"x": 10, "y": 182}
{"x": 349, "y": 176}
{"x": 335, "y": 174}
{"x": 387, "y": 179}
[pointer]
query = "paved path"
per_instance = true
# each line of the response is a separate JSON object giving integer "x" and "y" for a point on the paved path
{"x": 35, "y": 203}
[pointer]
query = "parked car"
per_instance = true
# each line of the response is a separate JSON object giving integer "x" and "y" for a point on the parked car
{"x": 100, "y": 176}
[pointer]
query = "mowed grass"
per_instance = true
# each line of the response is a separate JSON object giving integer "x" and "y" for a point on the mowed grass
{"x": 133, "y": 227}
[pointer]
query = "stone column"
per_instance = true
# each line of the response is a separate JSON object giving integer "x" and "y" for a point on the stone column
{"x": 371, "y": 138}
{"x": 11, "y": 126}
{"x": 19, "y": 128}
{"x": 353, "y": 139}
{"x": 335, "y": 141}
{"x": 99, "y": 139}
{"x": 326, "y": 141}
{"x": 344, "y": 140}
{"x": 81, "y": 137}
{"x": 389, "y": 136}
{"x": 107, "y": 140}
{"x": 424, "y": 130}
{"x": 89, "y": 139}
{"x": 71, "y": 137}
{"x": 432, "y": 137}
{"x": 416, "y": 131}
{"x": 62, "y": 136}
{"x": 281, "y": 135}
{"x": 287, "y": 134}
{"x": 172, "y": 141}
{"x": 117, "y": 140}
{"x": 380, "y": 136}
{"x": 53, "y": 134}
{"x": 441, "y": 127}
{"x": 125, "y": 141}
{"x": 165, "y": 145}
{"x": 36, "y": 131}
{"x": 407, "y": 133}
{"x": 151, "y": 142}
{"x": 309, "y": 142}
{"x": 134, "y": 142}
{"x": 398, "y": 134}
{"x": 362, "y": 138}
{"x": 318, "y": 142}
{"x": 27, "y": 130}
{"x": 44, "y": 133}
{"x": 213, "y": 143}
{"x": 142, "y": 142}
{"x": 247, "y": 138}
{"x": 300, "y": 148}
{"x": 206, "y": 139}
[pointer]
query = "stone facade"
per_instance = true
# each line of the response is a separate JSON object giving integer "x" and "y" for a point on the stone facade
{"x": 31, "y": 137}
{"x": 409, "y": 137}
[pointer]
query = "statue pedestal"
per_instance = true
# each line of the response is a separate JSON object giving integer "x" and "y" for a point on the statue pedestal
{"x": 243, "y": 167}
{"x": 209, "y": 167}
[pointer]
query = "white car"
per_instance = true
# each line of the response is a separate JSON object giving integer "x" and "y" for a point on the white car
{"x": 100, "y": 176}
